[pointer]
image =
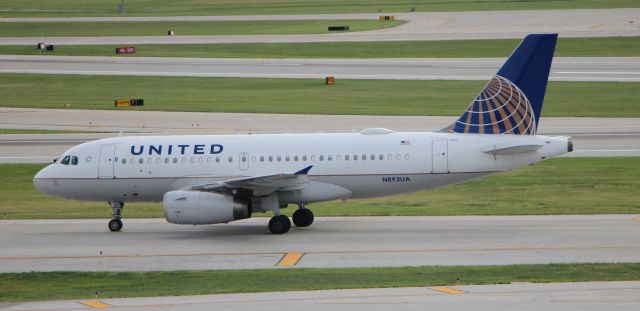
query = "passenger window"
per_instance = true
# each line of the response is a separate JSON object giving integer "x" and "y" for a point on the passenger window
{"x": 313, "y": 158}
{"x": 192, "y": 160}
{"x": 355, "y": 157}
{"x": 373, "y": 157}
{"x": 364, "y": 157}
{"x": 65, "y": 160}
{"x": 279, "y": 158}
{"x": 184, "y": 159}
{"x": 261, "y": 158}
{"x": 346, "y": 157}
{"x": 381, "y": 157}
{"x": 166, "y": 160}
{"x": 253, "y": 158}
{"x": 398, "y": 156}
{"x": 230, "y": 159}
{"x": 338, "y": 157}
{"x": 304, "y": 158}
{"x": 74, "y": 160}
{"x": 321, "y": 158}
{"x": 243, "y": 159}
{"x": 149, "y": 160}
{"x": 124, "y": 161}
{"x": 208, "y": 159}
{"x": 389, "y": 156}
{"x": 270, "y": 158}
{"x": 132, "y": 161}
{"x": 141, "y": 160}
{"x": 175, "y": 160}
{"x": 287, "y": 158}
{"x": 158, "y": 160}
{"x": 200, "y": 160}
{"x": 329, "y": 157}
{"x": 406, "y": 156}
{"x": 295, "y": 158}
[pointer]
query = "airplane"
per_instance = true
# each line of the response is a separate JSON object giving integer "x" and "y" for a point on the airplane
{"x": 211, "y": 179}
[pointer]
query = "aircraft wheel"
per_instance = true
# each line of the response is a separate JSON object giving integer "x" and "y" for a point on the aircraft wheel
{"x": 279, "y": 224}
{"x": 303, "y": 217}
{"x": 115, "y": 225}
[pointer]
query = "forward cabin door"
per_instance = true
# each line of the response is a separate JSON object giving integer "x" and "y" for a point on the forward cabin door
{"x": 107, "y": 161}
{"x": 439, "y": 157}
{"x": 244, "y": 161}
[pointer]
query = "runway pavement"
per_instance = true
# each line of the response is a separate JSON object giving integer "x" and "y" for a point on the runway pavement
{"x": 591, "y": 136}
{"x": 625, "y": 69}
{"x": 153, "y": 244}
{"x": 420, "y": 26}
{"x": 517, "y": 296}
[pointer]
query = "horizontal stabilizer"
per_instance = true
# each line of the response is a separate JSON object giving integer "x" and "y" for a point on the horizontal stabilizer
{"x": 511, "y": 149}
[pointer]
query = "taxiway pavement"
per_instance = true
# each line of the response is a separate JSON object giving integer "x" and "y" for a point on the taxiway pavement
{"x": 516, "y": 296}
{"x": 420, "y": 27}
{"x": 624, "y": 69}
{"x": 153, "y": 244}
{"x": 591, "y": 136}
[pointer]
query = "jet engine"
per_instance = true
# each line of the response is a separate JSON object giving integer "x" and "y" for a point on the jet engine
{"x": 203, "y": 208}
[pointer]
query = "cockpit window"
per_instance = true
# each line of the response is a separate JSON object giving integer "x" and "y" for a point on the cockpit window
{"x": 74, "y": 160}
{"x": 65, "y": 160}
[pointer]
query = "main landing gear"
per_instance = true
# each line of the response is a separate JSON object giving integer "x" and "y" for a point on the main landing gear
{"x": 280, "y": 224}
{"x": 116, "y": 223}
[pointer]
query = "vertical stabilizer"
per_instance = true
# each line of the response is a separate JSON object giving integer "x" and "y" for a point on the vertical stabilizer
{"x": 511, "y": 102}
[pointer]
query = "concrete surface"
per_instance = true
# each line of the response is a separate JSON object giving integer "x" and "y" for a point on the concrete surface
{"x": 517, "y": 296}
{"x": 591, "y": 136}
{"x": 420, "y": 26}
{"x": 153, "y": 244}
{"x": 626, "y": 69}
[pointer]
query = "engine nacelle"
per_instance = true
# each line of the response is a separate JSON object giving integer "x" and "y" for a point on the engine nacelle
{"x": 203, "y": 208}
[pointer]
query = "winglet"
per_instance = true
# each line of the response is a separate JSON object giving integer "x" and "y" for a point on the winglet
{"x": 304, "y": 171}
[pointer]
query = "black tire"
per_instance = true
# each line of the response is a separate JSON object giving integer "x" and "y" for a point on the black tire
{"x": 303, "y": 217}
{"x": 115, "y": 225}
{"x": 279, "y": 224}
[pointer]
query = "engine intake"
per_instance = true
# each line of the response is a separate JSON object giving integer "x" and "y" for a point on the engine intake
{"x": 203, "y": 208}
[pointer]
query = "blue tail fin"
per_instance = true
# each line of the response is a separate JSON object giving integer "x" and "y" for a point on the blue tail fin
{"x": 512, "y": 101}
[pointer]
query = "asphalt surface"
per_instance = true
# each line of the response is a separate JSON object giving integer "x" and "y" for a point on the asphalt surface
{"x": 420, "y": 26}
{"x": 591, "y": 136}
{"x": 153, "y": 244}
{"x": 626, "y": 69}
{"x": 517, "y": 296}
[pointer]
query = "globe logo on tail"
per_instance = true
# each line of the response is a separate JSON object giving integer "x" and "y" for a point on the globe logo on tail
{"x": 500, "y": 108}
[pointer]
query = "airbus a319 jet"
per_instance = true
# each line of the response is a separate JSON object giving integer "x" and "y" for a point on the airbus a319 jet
{"x": 211, "y": 179}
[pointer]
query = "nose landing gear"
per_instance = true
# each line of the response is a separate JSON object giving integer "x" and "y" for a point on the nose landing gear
{"x": 115, "y": 224}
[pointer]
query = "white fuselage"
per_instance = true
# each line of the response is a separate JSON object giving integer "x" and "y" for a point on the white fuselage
{"x": 350, "y": 165}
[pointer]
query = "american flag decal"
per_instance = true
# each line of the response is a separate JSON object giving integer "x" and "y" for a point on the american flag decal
{"x": 405, "y": 142}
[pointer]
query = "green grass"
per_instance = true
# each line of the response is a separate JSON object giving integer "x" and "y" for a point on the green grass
{"x": 29, "y": 8}
{"x": 595, "y": 185}
{"x": 306, "y": 96}
{"x": 206, "y": 28}
{"x": 567, "y": 47}
{"x": 83, "y": 285}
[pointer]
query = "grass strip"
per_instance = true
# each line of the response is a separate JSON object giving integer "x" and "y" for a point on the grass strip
{"x": 567, "y": 47}
{"x": 595, "y": 185}
{"x": 303, "y": 96}
{"x": 32, "y": 8}
{"x": 81, "y": 285}
{"x": 199, "y": 28}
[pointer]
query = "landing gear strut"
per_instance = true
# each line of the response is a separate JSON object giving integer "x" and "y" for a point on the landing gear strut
{"x": 116, "y": 223}
{"x": 303, "y": 217}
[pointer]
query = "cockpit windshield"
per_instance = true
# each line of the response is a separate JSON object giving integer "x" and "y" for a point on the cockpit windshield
{"x": 73, "y": 160}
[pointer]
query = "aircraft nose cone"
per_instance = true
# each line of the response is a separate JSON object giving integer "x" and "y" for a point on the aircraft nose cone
{"x": 41, "y": 182}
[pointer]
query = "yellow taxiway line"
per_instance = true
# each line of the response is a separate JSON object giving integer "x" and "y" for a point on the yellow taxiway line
{"x": 290, "y": 259}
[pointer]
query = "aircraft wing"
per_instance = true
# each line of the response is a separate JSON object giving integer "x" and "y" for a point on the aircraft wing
{"x": 260, "y": 185}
